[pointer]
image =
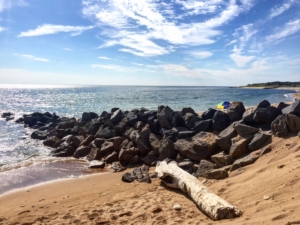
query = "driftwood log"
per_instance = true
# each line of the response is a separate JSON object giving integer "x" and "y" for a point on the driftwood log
{"x": 209, "y": 203}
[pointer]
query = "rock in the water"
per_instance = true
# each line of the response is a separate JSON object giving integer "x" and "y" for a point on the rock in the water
{"x": 279, "y": 126}
{"x": 63, "y": 150}
{"x": 293, "y": 109}
{"x": 239, "y": 146}
{"x": 50, "y": 141}
{"x": 40, "y": 135}
{"x": 245, "y": 160}
{"x": 96, "y": 164}
{"x": 236, "y": 111}
{"x": 221, "y": 159}
{"x": 258, "y": 141}
{"x": 220, "y": 121}
{"x": 216, "y": 174}
{"x": 81, "y": 151}
{"x": 204, "y": 166}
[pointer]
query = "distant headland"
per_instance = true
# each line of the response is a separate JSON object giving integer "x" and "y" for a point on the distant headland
{"x": 275, "y": 84}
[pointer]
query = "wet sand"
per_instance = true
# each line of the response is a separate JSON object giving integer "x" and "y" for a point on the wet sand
{"x": 105, "y": 199}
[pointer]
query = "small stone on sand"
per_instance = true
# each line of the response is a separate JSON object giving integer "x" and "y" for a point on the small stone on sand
{"x": 177, "y": 207}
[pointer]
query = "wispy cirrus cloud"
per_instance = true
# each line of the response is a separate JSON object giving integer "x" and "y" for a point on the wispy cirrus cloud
{"x": 279, "y": 9}
{"x": 47, "y": 29}
{"x": 139, "y": 27}
{"x": 6, "y": 4}
{"x": 31, "y": 57}
{"x": 68, "y": 49}
{"x": 104, "y": 57}
{"x": 200, "y": 54}
{"x": 2, "y": 29}
{"x": 289, "y": 28}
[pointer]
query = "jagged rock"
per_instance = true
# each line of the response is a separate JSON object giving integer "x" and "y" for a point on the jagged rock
{"x": 221, "y": 159}
{"x": 87, "y": 141}
{"x": 87, "y": 116}
{"x": 155, "y": 142}
{"x": 170, "y": 134}
{"x": 279, "y": 126}
{"x": 145, "y": 179}
{"x": 81, "y": 151}
{"x": 112, "y": 157}
{"x": 220, "y": 121}
{"x": 177, "y": 120}
{"x": 187, "y": 165}
{"x": 166, "y": 149}
{"x": 109, "y": 124}
{"x": 94, "y": 154}
{"x": 134, "y": 135}
{"x": 63, "y": 150}
{"x": 209, "y": 114}
{"x": 204, "y": 166}
{"x": 106, "y": 133}
{"x": 106, "y": 148}
{"x": 126, "y": 154}
{"x": 236, "y": 111}
{"x": 117, "y": 141}
{"x": 145, "y": 132}
{"x": 6, "y": 114}
{"x": 143, "y": 116}
{"x": 96, "y": 164}
{"x": 143, "y": 145}
{"x": 135, "y": 160}
{"x": 131, "y": 119}
{"x": 137, "y": 173}
{"x": 239, "y": 146}
{"x": 153, "y": 125}
{"x": 114, "y": 110}
{"x": 40, "y": 135}
{"x": 117, "y": 167}
{"x": 67, "y": 124}
{"x": 293, "y": 122}
{"x": 203, "y": 125}
{"x": 249, "y": 114}
{"x": 120, "y": 127}
{"x": 258, "y": 141}
{"x": 150, "y": 158}
{"x": 245, "y": 160}
{"x": 266, "y": 115}
{"x": 217, "y": 174}
{"x": 243, "y": 129}
{"x": 164, "y": 116}
{"x": 293, "y": 109}
{"x": 139, "y": 125}
{"x": 116, "y": 116}
{"x": 201, "y": 146}
{"x": 185, "y": 134}
{"x": 264, "y": 104}
{"x": 190, "y": 120}
{"x": 93, "y": 128}
{"x": 128, "y": 177}
{"x": 224, "y": 138}
{"x": 98, "y": 142}
{"x": 282, "y": 105}
{"x": 50, "y": 141}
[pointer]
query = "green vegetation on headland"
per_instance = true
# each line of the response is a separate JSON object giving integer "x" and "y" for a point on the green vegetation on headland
{"x": 275, "y": 84}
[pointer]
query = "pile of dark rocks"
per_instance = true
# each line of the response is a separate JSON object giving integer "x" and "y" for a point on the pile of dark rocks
{"x": 208, "y": 145}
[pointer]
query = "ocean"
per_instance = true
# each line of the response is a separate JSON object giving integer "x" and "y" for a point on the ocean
{"x": 24, "y": 161}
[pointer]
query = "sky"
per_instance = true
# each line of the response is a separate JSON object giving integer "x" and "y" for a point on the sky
{"x": 149, "y": 42}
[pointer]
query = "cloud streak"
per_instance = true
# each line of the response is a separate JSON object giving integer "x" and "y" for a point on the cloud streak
{"x": 277, "y": 10}
{"x": 31, "y": 57}
{"x": 289, "y": 28}
{"x": 47, "y": 29}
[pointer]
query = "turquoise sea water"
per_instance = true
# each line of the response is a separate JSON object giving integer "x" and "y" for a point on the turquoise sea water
{"x": 17, "y": 150}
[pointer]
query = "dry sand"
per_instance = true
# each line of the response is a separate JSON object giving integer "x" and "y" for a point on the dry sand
{"x": 105, "y": 199}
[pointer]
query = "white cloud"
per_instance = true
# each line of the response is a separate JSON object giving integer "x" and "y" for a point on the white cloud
{"x": 5, "y": 4}
{"x": 2, "y": 29}
{"x": 109, "y": 66}
{"x": 194, "y": 7}
{"x": 138, "y": 64}
{"x": 231, "y": 43}
{"x": 277, "y": 10}
{"x": 290, "y": 28}
{"x": 244, "y": 33}
{"x": 46, "y": 29}
{"x": 103, "y": 57}
{"x": 201, "y": 54}
{"x": 67, "y": 49}
{"x": 31, "y": 57}
{"x": 239, "y": 59}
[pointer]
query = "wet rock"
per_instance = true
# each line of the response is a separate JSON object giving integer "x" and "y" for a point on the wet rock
{"x": 50, "y": 141}
{"x": 82, "y": 151}
{"x": 279, "y": 126}
{"x": 131, "y": 119}
{"x": 39, "y": 135}
{"x": 239, "y": 146}
{"x": 112, "y": 157}
{"x": 145, "y": 179}
{"x": 220, "y": 121}
{"x": 258, "y": 141}
{"x": 63, "y": 150}
{"x": 94, "y": 154}
{"x": 217, "y": 174}
{"x": 222, "y": 159}
{"x": 204, "y": 166}
{"x": 96, "y": 164}
{"x": 236, "y": 111}
{"x": 170, "y": 134}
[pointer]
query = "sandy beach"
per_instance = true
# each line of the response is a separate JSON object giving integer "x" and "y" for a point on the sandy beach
{"x": 267, "y": 192}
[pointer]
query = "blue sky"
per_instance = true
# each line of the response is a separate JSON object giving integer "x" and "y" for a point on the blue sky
{"x": 149, "y": 42}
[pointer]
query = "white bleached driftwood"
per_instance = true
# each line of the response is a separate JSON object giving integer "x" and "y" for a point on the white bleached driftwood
{"x": 209, "y": 203}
